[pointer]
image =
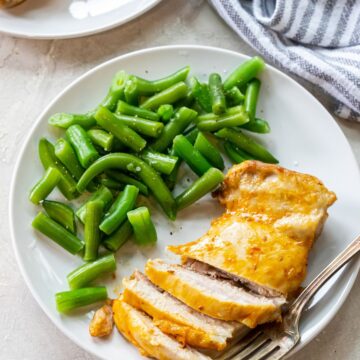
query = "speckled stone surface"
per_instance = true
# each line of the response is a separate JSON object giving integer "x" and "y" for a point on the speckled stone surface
{"x": 31, "y": 74}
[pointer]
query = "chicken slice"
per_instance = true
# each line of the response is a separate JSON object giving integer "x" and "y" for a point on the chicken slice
{"x": 213, "y": 297}
{"x": 273, "y": 217}
{"x": 175, "y": 318}
{"x": 139, "y": 329}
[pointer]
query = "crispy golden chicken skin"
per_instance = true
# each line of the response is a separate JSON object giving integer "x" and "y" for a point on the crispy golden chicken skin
{"x": 273, "y": 217}
{"x": 102, "y": 323}
{"x": 293, "y": 202}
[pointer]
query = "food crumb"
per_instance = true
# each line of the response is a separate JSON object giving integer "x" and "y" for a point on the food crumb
{"x": 171, "y": 232}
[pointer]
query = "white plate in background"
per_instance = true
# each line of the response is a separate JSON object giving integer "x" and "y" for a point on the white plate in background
{"x": 61, "y": 19}
{"x": 304, "y": 137}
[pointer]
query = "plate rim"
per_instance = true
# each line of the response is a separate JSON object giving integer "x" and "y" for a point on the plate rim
{"x": 79, "y": 34}
{"x": 353, "y": 266}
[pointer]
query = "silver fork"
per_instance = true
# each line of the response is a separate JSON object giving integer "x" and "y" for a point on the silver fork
{"x": 273, "y": 342}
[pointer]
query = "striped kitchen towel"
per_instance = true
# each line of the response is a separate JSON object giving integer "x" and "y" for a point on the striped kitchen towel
{"x": 318, "y": 40}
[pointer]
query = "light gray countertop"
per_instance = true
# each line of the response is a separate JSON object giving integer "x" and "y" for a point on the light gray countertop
{"x": 31, "y": 74}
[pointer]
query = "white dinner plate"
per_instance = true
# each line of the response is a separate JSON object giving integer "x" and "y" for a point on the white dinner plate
{"x": 304, "y": 137}
{"x": 61, "y": 19}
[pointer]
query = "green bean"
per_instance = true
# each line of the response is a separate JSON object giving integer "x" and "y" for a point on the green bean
{"x": 166, "y": 112}
{"x": 204, "y": 184}
{"x": 101, "y": 138}
{"x": 167, "y": 96}
{"x": 190, "y": 155}
{"x": 131, "y": 92}
{"x": 125, "y": 179}
{"x": 143, "y": 227}
{"x": 84, "y": 148}
{"x": 201, "y": 94}
{"x": 111, "y": 123}
{"x": 182, "y": 119}
{"x": 236, "y": 155}
{"x": 234, "y": 96}
{"x": 171, "y": 179}
{"x": 117, "y": 213}
{"x": 45, "y": 185}
{"x": 244, "y": 73}
{"x": 66, "y": 154}
{"x": 142, "y": 126}
{"x": 64, "y": 120}
{"x": 247, "y": 144}
{"x": 258, "y": 126}
{"x": 125, "y": 109}
{"x": 230, "y": 111}
{"x": 209, "y": 151}
{"x": 70, "y": 300}
{"x": 160, "y": 162}
{"x": 57, "y": 233}
{"x": 119, "y": 237}
{"x": 92, "y": 235}
{"x": 86, "y": 273}
{"x": 148, "y": 87}
{"x": 191, "y": 134}
{"x": 61, "y": 213}
{"x": 112, "y": 184}
{"x": 222, "y": 121}
{"x": 67, "y": 184}
{"x": 102, "y": 194}
{"x": 133, "y": 164}
{"x": 243, "y": 153}
{"x": 218, "y": 102}
{"x": 251, "y": 97}
{"x": 116, "y": 91}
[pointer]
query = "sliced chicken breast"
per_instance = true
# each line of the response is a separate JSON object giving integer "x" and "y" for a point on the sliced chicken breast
{"x": 175, "y": 318}
{"x": 216, "y": 273}
{"x": 273, "y": 217}
{"x": 216, "y": 298}
{"x": 139, "y": 329}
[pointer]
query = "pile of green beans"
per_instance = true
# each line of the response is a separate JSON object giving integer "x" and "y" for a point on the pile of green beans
{"x": 133, "y": 144}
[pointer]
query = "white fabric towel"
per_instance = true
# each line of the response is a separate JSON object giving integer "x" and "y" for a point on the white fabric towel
{"x": 318, "y": 40}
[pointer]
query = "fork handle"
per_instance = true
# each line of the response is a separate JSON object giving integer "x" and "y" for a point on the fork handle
{"x": 346, "y": 255}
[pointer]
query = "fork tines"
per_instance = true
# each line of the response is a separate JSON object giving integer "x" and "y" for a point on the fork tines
{"x": 255, "y": 346}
